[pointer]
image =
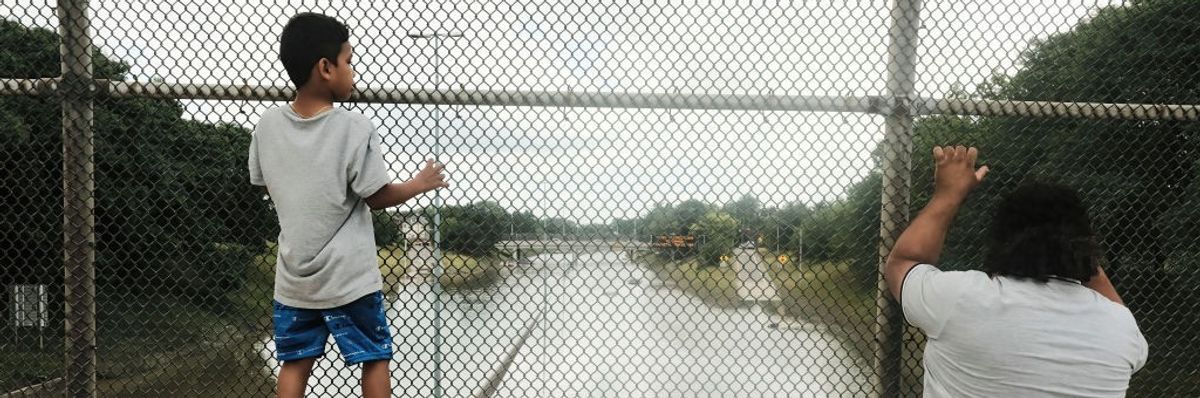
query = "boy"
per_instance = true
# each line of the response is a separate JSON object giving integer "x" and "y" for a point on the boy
{"x": 324, "y": 171}
{"x": 1043, "y": 320}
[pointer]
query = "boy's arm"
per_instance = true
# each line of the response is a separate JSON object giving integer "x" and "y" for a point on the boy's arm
{"x": 1102, "y": 285}
{"x": 429, "y": 178}
{"x": 921, "y": 243}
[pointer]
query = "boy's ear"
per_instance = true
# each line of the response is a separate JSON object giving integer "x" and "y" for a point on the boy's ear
{"x": 323, "y": 69}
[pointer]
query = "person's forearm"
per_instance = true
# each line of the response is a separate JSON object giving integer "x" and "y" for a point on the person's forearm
{"x": 1101, "y": 284}
{"x": 392, "y": 194}
{"x": 955, "y": 176}
{"x": 922, "y": 241}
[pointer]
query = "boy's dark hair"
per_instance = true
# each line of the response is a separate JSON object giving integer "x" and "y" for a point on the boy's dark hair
{"x": 306, "y": 39}
{"x": 1041, "y": 230}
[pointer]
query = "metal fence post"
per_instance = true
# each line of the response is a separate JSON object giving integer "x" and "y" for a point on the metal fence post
{"x": 897, "y": 159}
{"x": 78, "y": 189}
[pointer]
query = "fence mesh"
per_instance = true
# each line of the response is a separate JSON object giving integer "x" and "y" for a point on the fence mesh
{"x": 696, "y": 248}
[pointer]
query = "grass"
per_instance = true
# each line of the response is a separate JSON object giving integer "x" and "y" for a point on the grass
{"x": 393, "y": 264}
{"x": 150, "y": 348}
{"x": 156, "y": 345}
{"x": 826, "y": 293}
{"x": 459, "y": 271}
{"x": 162, "y": 346}
{"x": 830, "y": 294}
{"x": 713, "y": 285}
{"x": 25, "y": 363}
{"x": 253, "y": 297}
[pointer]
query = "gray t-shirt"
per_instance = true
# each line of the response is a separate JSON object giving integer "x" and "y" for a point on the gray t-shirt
{"x": 1007, "y": 337}
{"x": 317, "y": 172}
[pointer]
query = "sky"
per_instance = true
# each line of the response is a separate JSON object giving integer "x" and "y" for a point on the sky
{"x": 594, "y": 164}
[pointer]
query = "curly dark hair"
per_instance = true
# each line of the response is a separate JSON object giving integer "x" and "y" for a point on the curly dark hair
{"x": 1041, "y": 231}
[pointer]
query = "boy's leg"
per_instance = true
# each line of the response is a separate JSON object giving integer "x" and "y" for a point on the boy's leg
{"x": 361, "y": 331}
{"x": 376, "y": 379}
{"x": 293, "y": 378}
{"x": 300, "y": 337}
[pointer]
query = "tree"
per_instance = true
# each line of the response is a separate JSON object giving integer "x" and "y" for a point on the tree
{"x": 717, "y": 233}
{"x": 857, "y": 237}
{"x": 1137, "y": 177}
{"x": 688, "y": 213}
{"x": 625, "y": 228}
{"x": 561, "y": 226}
{"x": 815, "y": 237}
{"x": 174, "y": 210}
{"x": 524, "y": 222}
{"x": 595, "y": 231}
{"x": 780, "y": 225}
{"x": 472, "y": 229}
{"x": 745, "y": 210}
{"x": 661, "y": 220}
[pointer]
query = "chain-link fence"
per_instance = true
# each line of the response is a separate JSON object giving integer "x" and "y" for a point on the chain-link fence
{"x": 649, "y": 199}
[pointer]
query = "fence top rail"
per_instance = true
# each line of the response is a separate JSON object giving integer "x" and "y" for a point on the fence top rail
{"x": 1086, "y": 110}
{"x": 797, "y": 103}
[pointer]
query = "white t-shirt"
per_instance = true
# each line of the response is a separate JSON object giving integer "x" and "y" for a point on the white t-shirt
{"x": 1008, "y": 337}
{"x": 318, "y": 170}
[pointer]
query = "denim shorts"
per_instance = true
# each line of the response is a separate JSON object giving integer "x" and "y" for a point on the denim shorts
{"x": 360, "y": 329}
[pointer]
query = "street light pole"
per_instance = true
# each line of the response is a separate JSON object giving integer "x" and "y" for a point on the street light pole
{"x": 437, "y": 38}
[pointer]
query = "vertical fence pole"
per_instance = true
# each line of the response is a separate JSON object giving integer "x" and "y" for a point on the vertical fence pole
{"x": 78, "y": 187}
{"x": 897, "y": 163}
{"x": 437, "y": 229}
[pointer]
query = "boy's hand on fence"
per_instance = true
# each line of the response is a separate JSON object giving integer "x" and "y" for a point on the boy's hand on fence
{"x": 955, "y": 174}
{"x": 431, "y": 177}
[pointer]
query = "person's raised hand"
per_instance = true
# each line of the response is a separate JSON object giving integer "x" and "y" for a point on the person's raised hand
{"x": 431, "y": 176}
{"x": 955, "y": 174}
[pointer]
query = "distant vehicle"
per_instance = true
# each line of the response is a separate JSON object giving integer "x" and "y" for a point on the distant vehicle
{"x": 674, "y": 241}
